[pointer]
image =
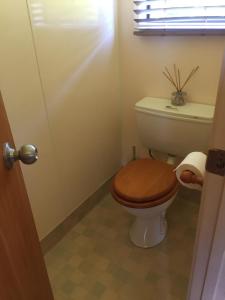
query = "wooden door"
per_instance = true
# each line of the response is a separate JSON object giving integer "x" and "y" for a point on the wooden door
{"x": 211, "y": 205}
{"x": 23, "y": 274}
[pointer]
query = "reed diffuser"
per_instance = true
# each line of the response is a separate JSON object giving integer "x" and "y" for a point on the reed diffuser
{"x": 178, "y": 97}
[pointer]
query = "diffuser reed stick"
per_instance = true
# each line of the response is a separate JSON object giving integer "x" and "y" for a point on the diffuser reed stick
{"x": 169, "y": 79}
{"x": 189, "y": 77}
{"x": 179, "y": 80}
{"x": 176, "y": 76}
{"x": 170, "y": 76}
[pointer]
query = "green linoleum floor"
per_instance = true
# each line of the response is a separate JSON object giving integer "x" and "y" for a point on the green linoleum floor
{"x": 96, "y": 259}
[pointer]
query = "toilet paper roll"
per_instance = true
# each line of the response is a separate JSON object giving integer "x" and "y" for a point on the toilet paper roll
{"x": 194, "y": 162}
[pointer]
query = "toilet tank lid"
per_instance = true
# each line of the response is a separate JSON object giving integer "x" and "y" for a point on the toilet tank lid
{"x": 193, "y": 111}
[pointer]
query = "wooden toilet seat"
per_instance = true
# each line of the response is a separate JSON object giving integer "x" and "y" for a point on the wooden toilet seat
{"x": 144, "y": 183}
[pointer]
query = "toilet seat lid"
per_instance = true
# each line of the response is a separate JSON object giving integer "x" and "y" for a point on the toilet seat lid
{"x": 144, "y": 180}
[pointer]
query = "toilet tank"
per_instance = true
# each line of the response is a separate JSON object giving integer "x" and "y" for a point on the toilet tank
{"x": 176, "y": 130}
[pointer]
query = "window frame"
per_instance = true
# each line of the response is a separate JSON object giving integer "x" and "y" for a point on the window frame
{"x": 179, "y": 32}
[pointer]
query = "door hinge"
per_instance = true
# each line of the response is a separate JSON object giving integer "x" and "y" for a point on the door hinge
{"x": 216, "y": 162}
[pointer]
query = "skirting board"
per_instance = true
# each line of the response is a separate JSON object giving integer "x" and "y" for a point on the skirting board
{"x": 59, "y": 232}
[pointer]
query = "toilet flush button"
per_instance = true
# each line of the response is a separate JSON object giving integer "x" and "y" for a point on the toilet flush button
{"x": 171, "y": 107}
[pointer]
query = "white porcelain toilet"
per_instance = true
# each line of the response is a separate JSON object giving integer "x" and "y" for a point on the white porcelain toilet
{"x": 147, "y": 187}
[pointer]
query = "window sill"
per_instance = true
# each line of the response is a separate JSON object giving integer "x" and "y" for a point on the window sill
{"x": 180, "y": 32}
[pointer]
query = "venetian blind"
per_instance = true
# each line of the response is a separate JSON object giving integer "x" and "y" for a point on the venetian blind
{"x": 179, "y": 14}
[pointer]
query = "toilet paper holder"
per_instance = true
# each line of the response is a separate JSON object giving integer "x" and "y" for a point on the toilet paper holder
{"x": 189, "y": 177}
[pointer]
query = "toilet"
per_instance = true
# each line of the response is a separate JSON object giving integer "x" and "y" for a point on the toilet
{"x": 147, "y": 187}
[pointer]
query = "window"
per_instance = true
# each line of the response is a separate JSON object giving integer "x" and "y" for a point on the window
{"x": 179, "y": 16}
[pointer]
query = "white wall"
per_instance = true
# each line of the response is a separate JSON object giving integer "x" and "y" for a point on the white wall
{"x": 143, "y": 60}
{"x": 72, "y": 110}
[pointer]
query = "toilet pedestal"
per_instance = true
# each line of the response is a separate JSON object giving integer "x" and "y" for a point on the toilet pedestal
{"x": 150, "y": 225}
{"x": 147, "y": 232}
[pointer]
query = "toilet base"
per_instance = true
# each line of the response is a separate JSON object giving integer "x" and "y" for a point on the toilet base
{"x": 150, "y": 226}
{"x": 147, "y": 232}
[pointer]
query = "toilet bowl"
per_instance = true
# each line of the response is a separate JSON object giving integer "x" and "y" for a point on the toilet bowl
{"x": 146, "y": 188}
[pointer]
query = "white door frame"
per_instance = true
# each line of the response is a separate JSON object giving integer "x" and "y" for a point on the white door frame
{"x": 214, "y": 288}
{"x": 212, "y": 201}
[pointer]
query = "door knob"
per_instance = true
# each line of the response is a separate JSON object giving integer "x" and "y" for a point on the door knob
{"x": 28, "y": 154}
